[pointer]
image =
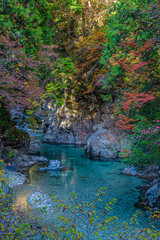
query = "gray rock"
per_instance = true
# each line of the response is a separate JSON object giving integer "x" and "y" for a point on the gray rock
{"x": 34, "y": 147}
{"x": 53, "y": 166}
{"x": 152, "y": 195}
{"x": 148, "y": 172}
{"x": 26, "y": 161}
{"x": 66, "y": 126}
{"x": 130, "y": 171}
{"x": 103, "y": 144}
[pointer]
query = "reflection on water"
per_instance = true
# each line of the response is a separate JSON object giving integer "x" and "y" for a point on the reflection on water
{"x": 84, "y": 177}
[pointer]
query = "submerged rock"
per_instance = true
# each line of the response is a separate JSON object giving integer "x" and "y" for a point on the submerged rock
{"x": 39, "y": 200}
{"x": 53, "y": 166}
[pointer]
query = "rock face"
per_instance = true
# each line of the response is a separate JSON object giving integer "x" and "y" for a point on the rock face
{"x": 96, "y": 130}
{"x": 67, "y": 127}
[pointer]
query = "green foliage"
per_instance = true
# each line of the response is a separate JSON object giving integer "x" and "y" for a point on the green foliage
{"x": 131, "y": 61}
{"x": 127, "y": 20}
{"x": 11, "y": 154}
{"x": 145, "y": 147}
{"x": 62, "y": 80}
{"x": 27, "y": 21}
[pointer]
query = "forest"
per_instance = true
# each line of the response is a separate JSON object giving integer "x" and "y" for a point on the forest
{"x": 81, "y": 54}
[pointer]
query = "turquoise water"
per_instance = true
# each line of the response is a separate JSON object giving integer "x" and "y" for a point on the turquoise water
{"x": 84, "y": 177}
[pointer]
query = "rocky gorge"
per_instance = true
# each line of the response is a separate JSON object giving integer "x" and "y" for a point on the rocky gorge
{"x": 97, "y": 132}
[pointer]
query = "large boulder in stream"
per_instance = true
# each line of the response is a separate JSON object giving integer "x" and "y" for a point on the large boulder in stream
{"x": 103, "y": 144}
{"x": 106, "y": 144}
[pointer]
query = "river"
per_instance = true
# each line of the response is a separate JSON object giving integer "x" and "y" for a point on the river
{"x": 85, "y": 176}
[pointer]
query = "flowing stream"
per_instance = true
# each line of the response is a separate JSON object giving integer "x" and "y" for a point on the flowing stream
{"x": 85, "y": 177}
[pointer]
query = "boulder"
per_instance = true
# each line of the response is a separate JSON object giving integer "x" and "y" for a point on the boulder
{"x": 103, "y": 144}
{"x": 34, "y": 147}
